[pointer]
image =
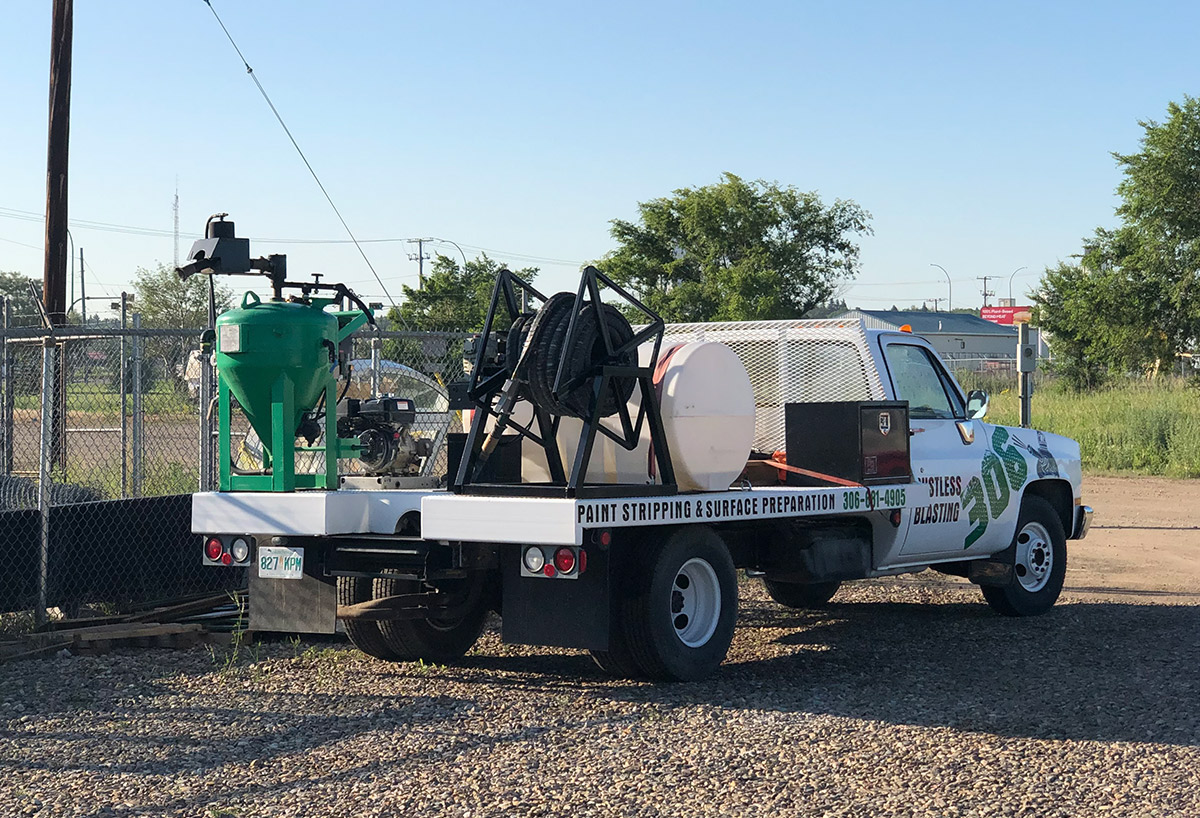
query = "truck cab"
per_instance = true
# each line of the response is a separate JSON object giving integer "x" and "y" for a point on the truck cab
{"x": 976, "y": 473}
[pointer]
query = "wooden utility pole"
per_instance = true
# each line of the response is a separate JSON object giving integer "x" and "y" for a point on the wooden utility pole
{"x": 54, "y": 277}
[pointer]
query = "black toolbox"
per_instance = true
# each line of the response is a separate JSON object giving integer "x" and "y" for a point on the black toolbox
{"x": 862, "y": 441}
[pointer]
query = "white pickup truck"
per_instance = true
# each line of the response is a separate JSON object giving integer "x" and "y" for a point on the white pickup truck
{"x": 648, "y": 583}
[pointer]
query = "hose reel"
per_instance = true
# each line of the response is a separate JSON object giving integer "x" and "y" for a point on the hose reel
{"x": 574, "y": 357}
{"x": 547, "y": 360}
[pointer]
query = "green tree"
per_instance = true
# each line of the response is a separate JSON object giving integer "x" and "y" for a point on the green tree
{"x": 166, "y": 302}
{"x": 830, "y": 309}
{"x": 1159, "y": 239}
{"x": 1098, "y": 322}
{"x": 454, "y": 297}
{"x": 1133, "y": 301}
{"x": 736, "y": 250}
{"x": 15, "y": 288}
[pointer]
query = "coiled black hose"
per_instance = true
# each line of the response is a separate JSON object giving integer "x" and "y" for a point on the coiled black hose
{"x": 544, "y": 338}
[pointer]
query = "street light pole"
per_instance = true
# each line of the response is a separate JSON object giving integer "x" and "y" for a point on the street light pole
{"x": 83, "y": 299}
{"x": 460, "y": 251}
{"x": 949, "y": 288}
{"x": 1010, "y": 278}
{"x": 71, "y": 242}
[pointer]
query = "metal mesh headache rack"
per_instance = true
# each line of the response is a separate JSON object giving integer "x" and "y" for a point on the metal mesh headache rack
{"x": 816, "y": 361}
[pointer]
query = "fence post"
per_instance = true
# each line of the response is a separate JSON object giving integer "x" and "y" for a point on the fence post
{"x": 206, "y": 431}
{"x": 1026, "y": 361}
{"x": 6, "y": 383}
{"x": 124, "y": 392}
{"x": 376, "y": 348}
{"x": 136, "y": 475}
{"x": 49, "y": 356}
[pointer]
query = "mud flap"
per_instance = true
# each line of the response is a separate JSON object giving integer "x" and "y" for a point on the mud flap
{"x": 305, "y": 605}
{"x": 563, "y": 613}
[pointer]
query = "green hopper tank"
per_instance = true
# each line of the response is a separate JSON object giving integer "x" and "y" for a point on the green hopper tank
{"x": 278, "y": 358}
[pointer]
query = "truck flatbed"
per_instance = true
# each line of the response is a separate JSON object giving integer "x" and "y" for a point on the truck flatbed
{"x": 532, "y": 520}
{"x": 553, "y": 521}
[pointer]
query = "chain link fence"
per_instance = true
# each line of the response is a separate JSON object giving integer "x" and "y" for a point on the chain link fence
{"x": 106, "y": 433}
{"x": 996, "y": 373}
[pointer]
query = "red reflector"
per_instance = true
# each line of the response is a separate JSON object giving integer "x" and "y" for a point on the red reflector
{"x": 896, "y": 518}
{"x": 582, "y": 560}
{"x": 564, "y": 560}
{"x": 227, "y": 559}
{"x": 549, "y": 570}
{"x": 213, "y": 549}
{"x": 605, "y": 537}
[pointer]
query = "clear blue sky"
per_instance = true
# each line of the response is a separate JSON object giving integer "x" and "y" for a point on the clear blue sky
{"x": 977, "y": 135}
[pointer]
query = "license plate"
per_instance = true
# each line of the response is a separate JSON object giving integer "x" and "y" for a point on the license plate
{"x": 279, "y": 562}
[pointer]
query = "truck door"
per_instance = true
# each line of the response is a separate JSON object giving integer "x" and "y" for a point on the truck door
{"x": 947, "y": 458}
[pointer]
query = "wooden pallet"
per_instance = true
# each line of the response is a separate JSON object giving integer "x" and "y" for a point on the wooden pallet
{"x": 98, "y": 639}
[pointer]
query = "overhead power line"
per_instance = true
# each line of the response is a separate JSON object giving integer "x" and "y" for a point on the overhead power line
{"x": 296, "y": 145}
{"x": 21, "y": 243}
{"x": 108, "y": 227}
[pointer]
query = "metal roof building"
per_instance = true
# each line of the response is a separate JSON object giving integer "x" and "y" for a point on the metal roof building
{"x": 953, "y": 334}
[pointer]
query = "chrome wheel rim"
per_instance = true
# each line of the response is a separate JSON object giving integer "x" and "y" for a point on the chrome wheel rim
{"x": 695, "y": 605}
{"x": 1035, "y": 557}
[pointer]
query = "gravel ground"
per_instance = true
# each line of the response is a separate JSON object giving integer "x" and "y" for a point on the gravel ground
{"x": 903, "y": 698}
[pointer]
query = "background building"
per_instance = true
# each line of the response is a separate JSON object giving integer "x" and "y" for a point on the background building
{"x": 956, "y": 336}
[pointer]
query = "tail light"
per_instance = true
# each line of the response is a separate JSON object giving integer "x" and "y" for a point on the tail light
{"x": 213, "y": 549}
{"x": 534, "y": 559}
{"x": 564, "y": 560}
{"x": 240, "y": 549}
{"x": 561, "y": 562}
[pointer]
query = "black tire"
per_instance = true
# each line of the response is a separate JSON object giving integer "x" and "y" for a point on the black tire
{"x": 364, "y": 634}
{"x": 618, "y": 660}
{"x": 432, "y": 640}
{"x": 655, "y": 617}
{"x": 1039, "y": 528}
{"x": 801, "y": 595}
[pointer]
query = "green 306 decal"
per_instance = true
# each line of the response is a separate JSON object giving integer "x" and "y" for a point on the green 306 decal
{"x": 1002, "y": 474}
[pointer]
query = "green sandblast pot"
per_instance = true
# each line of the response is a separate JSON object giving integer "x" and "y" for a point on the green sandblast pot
{"x": 261, "y": 340}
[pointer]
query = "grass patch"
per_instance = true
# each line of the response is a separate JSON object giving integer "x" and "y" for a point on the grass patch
{"x": 1145, "y": 427}
{"x": 99, "y": 399}
{"x": 160, "y": 477}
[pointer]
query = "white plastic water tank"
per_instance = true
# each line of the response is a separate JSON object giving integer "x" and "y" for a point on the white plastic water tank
{"x": 708, "y": 414}
{"x": 707, "y": 406}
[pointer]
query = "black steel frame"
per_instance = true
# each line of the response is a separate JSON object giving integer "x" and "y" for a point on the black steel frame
{"x": 508, "y": 386}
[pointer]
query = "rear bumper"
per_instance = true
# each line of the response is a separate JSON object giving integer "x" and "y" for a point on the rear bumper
{"x": 1083, "y": 521}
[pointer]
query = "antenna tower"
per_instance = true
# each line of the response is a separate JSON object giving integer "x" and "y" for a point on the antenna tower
{"x": 175, "y": 207}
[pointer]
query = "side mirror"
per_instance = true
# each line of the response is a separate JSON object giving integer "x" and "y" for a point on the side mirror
{"x": 977, "y": 404}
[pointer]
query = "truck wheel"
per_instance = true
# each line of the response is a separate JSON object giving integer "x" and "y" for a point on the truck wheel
{"x": 432, "y": 640}
{"x": 679, "y": 621}
{"x": 364, "y": 634}
{"x": 801, "y": 595}
{"x": 1039, "y": 563}
{"x": 618, "y": 659}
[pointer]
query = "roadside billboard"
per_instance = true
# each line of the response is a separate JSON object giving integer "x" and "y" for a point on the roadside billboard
{"x": 1005, "y": 315}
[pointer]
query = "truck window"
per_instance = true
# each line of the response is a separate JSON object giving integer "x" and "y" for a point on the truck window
{"x": 917, "y": 380}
